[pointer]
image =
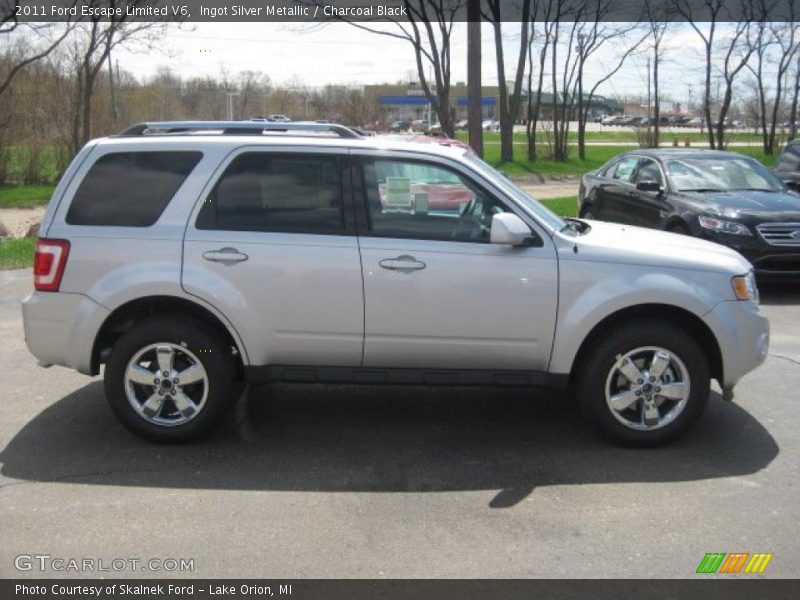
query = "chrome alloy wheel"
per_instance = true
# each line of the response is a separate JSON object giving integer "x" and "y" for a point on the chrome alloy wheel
{"x": 166, "y": 384}
{"x": 647, "y": 388}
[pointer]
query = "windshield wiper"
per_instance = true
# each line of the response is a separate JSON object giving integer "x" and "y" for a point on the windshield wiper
{"x": 703, "y": 190}
{"x": 755, "y": 190}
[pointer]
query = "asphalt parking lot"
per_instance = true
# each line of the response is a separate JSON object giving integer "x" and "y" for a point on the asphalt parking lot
{"x": 325, "y": 481}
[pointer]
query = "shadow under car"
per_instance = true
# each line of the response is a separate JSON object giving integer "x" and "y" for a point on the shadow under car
{"x": 316, "y": 437}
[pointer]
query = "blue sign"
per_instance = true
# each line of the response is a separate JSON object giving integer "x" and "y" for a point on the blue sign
{"x": 404, "y": 100}
{"x": 485, "y": 100}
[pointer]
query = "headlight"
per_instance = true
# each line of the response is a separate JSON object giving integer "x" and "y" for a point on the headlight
{"x": 744, "y": 287}
{"x": 724, "y": 226}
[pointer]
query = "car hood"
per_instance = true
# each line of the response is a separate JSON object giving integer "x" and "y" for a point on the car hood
{"x": 626, "y": 244}
{"x": 762, "y": 206}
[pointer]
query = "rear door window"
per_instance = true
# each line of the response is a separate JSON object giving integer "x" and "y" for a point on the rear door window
{"x": 285, "y": 193}
{"x": 130, "y": 189}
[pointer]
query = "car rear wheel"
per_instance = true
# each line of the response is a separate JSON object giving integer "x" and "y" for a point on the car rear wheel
{"x": 170, "y": 379}
{"x": 645, "y": 384}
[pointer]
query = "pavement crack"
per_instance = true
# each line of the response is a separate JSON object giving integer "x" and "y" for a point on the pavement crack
{"x": 784, "y": 357}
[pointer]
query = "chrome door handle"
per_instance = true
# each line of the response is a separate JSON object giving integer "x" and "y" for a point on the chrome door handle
{"x": 226, "y": 256}
{"x": 404, "y": 263}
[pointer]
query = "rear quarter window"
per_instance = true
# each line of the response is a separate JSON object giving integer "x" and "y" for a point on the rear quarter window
{"x": 130, "y": 189}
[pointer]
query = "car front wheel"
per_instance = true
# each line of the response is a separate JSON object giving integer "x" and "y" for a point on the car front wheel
{"x": 170, "y": 379}
{"x": 645, "y": 384}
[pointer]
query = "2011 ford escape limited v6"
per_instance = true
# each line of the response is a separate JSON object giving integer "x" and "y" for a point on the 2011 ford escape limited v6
{"x": 191, "y": 257}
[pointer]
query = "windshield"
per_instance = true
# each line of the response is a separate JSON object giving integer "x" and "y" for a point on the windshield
{"x": 538, "y": 210}
{"x": 716, "y": 174}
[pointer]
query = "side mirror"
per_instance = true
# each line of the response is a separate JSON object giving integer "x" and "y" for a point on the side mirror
{"x": 648, "y": 186}
{"x": 508, "y": 228}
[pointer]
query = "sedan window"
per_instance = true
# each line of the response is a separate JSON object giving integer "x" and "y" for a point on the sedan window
{"x": 625, "y": 169}
{"x": 649, "y": 171}
{"x": 790, "y": 159}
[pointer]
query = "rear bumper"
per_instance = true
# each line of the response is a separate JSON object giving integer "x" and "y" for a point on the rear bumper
{"x": 743, "y": 336}
{"x": 60, "y": 329}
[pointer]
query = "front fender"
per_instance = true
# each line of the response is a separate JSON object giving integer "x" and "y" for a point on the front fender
{"x": 592, "y": 291}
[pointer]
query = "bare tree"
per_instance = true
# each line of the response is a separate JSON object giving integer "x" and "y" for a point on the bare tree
{"x": 775, "y": 44}
{"x": 535, "y": 102}
{"x": 509, "y": 106}
{"x": 428, "y": 29}
{"x": 656, "y": 19}
{"x": 37, "y": 40}
{"x": 584, "y": 32}
{"x": 736, "y": 55}
{"x": 593, "y": 33}
{"x": 92, "y": 43}
{"x": 549, "y": 13}
{"x": 795, "y": 94}
{"x": 688, "y": 9}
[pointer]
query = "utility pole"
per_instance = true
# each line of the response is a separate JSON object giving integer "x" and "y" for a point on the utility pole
{"x": 114, "y": 111}
{"x": 231, "y": 96}
{"x": 648, "y": 91}
{"x": 474, "y": 100}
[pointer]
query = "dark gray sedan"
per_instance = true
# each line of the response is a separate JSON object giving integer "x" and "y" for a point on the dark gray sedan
{"x": 724, "y": 197}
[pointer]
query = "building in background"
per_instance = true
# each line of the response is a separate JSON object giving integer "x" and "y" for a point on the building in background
{"x": 407, "y": 102}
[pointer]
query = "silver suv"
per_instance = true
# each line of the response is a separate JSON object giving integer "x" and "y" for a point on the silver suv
{"x": 190, "y": 258}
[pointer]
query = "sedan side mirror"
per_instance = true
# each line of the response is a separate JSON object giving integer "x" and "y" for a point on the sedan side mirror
{"x": 508, "y": 228}
{"x": 648, "y": 186}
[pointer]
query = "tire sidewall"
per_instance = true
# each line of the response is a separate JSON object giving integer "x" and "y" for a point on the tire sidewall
{"x": 212, "y": 353}
{"x": 600, "y": 360}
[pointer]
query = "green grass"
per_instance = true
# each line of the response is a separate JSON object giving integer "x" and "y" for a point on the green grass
{"x": 596, "y": 156}
{"x": 25, "y": 196}
{"x": 31, "y": 163}
{"x": 610, "y": 135}
{"x": 566, "y": 207}
{"x": 16, "y": 253}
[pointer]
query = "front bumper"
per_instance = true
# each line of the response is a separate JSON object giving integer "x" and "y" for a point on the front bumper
{"x": 743, "y": 336}
{"x": 60, "y": 329}
{"x": 769, "y": 262}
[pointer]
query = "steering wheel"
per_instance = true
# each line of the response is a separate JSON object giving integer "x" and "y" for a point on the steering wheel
{"x": 475, "y": 227}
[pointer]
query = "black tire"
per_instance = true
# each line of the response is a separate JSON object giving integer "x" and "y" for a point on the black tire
{"x": 205, "y": 345}
{"x": 596, "y": 365}
{"x": 679, "y": 228}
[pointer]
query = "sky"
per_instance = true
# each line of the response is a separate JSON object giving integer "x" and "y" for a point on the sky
{"x": 339, "y": 53}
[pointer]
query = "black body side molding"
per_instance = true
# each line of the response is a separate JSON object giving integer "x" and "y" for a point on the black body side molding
{"x": 373, "y": 375}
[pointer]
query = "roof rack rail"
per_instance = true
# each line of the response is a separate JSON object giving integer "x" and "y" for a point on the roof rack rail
{"x": 236, "y": 128}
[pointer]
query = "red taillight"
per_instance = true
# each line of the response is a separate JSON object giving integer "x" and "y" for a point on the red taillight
{"x": 49, "y": 263}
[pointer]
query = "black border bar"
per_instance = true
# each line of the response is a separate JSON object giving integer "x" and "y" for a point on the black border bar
{"x": 399, "y": 589}
{"x": 321, "y": 11}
